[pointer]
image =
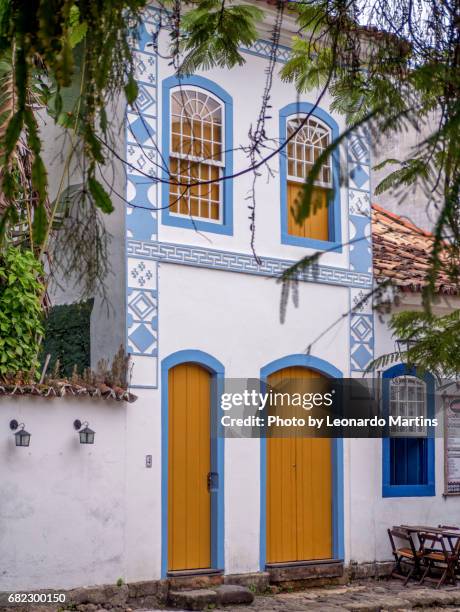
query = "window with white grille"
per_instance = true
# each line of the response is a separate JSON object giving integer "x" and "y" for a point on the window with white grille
{"x": 196, "y": 154}
{"x": 408, "y": 400}
{"x": 305, "y": 148}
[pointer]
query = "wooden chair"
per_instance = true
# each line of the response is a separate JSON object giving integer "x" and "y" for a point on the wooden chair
{"x": 450, "y": 538}
{"x": 404, "y": 551}
{"x": 436, "y": 556}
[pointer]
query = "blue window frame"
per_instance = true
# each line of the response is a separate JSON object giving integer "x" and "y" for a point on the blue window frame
{"x": 223, "y": 225}
{"x": 334, "y": 223}
{"x": 408, "y": 462}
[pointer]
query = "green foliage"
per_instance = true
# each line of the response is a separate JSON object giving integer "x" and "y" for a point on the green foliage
{"x": 58, "y": 39}
{"x": 213, "y": 32}
{"x": 402, "y": 71}
{"x": 434, "y": 341}
{"x": 101, "y": 197}
{"x": 305, "y": 71}
{"x": 409, "y": 172}
{"x": 21, "y": 317}
{"x": 67, "y": 338}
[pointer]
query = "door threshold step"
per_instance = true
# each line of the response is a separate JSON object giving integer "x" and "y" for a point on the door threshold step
{"x": 194, "y": 572}
{"x": 201, "y": 599}
{"x": 305, "y": 571}
{"x": 282, "y": 564}
{"x": 192, "y": 580}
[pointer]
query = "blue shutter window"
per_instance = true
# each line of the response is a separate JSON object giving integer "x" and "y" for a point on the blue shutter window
{"x": 408, "y": 456}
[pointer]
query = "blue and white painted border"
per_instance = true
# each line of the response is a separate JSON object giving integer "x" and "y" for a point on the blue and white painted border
{"x": 141, "y": 223}
{"x": 361, "y": 318}
{"x": 231, "y": 261}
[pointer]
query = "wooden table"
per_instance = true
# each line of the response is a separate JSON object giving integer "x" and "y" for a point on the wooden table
{"x": 449, "y": 534}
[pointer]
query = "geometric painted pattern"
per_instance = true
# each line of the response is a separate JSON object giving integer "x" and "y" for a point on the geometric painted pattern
{"x": 359, "y": 202}
{"x": 358, "y": 149}
{"x": 263, "y": 48}
{"x": 203, "y": 257}
{"x": 361, "y": 318}
{"x": 142, "y": 223}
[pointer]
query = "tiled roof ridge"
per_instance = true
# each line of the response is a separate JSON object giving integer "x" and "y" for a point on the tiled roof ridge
{"x": 401, "y": 253}
{"x": 402, "y": 220}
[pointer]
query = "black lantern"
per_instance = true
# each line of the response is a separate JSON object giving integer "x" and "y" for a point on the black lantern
{"x": 86, "y": 434}
{"x": 22, "y": 437}
{"x": 404, "y": 346}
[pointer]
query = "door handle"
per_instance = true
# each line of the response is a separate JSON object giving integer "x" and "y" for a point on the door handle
{"x": 213, "y": 481}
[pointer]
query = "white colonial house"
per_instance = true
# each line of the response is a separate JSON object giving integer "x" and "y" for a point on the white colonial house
{"x": 158, "y": 495}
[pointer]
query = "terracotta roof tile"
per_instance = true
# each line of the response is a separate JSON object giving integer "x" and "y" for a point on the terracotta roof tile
{"x": 58, "y": 388}
{"x": 401, "y": 253}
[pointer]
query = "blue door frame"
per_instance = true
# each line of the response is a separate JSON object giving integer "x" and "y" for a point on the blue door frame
{"x": 217, "y": 453}
{"x": 325, "y": 368}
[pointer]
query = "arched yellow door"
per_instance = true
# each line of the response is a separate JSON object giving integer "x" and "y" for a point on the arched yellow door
{"x": 299, "y": 490}
{"x": 189, "y": 463}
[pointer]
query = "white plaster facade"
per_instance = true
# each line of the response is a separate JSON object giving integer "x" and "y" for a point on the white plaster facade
{"x": 71, "y": 515}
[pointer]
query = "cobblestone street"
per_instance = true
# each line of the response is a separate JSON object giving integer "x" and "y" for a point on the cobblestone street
{"x": 365, "y": 597}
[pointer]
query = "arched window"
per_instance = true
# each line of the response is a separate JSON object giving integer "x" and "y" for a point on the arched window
{"x": 196, "y": 154}
{"x": 312, "y": 130}
{"x": 197, "y": 149}
{"x": 302, "y": 152}
{"x": 408, "y": 452}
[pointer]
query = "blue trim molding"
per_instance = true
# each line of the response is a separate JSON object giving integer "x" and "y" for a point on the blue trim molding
{"x": 326, "y": 368}
{"x": 264, "y": 48}
{"x": 141, "y": 331}
{"x": 226, "y": 227}
{"x": 361, "y": 318}
{"x": 230, "y": 261}
{"x": 415, "y": 490}
{"x": 334, "y": 214}
{"x": 217, "y": 442}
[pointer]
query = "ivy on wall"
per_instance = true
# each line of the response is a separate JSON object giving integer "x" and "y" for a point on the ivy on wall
{"x": 67, "y": 337}
{"x": 21, "y": 329}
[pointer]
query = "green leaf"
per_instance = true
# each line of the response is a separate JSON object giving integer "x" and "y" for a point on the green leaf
{"x": 101, "y": 197}
{"x": 40, "y": 224}
{"x": 77, "y": 33}
{"x": 39, "y": 179}
{"x": 131, "y": 90}
{"x": 214, "y": 33}
{"x": 13, "y": 131}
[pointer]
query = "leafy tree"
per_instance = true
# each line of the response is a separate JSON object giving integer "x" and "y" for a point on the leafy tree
{"x": 388, "y": 64}
{"x": 433, "y": 342}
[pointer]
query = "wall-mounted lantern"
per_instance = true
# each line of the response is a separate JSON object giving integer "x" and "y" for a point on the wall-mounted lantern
{"x": 403, "y": 346}
{"x": 22, "y": 437}
{"x": 86, "y": 434}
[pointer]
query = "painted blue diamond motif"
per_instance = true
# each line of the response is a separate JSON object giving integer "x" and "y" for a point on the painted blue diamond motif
{"x": 359, "y": 175}
{"x": 142, "y": 338}
{"x": 142, "y": 305}
{"x": 144, "y": 99}
{"x": 362, "y": 328}
{"x": 358, "y": 149}
{"x": 141, "y": 130}
{"x": 362, "y": 356}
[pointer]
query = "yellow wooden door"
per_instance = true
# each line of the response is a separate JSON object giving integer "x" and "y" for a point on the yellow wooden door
{"x": 299, "y": 490}
{"x": 189, "y": 462}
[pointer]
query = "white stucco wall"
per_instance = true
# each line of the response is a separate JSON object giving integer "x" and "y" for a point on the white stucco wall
{"x": 63, "y": 504}
{"x": 369, "y": 513}
{"x": 73, "y": 515}
{"x": 78, "y": 515}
